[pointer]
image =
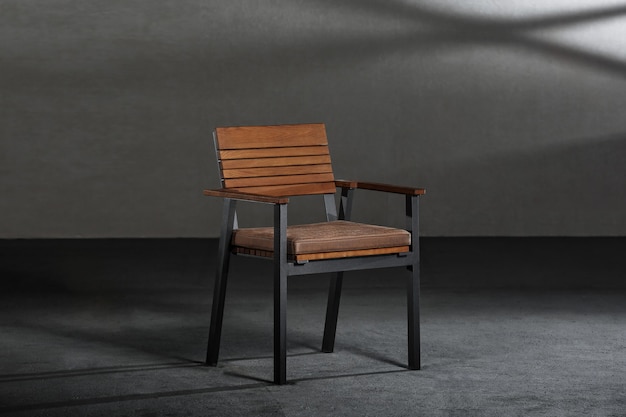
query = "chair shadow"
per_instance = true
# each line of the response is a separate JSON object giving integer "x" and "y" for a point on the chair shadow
{"x": 293, "y": 381}
{"x": 252, "y": 358}
{"x": 353, "y": 350}
{"x": 129, "y": 397}
{"x": 97, "y": 371}
{"x": 258, "y": 383}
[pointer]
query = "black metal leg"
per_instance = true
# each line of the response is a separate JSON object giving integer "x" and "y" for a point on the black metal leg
{"x": 413, "y": 285}
{"x": 217, "y": 313}
{"x": 280, "y": 294}
{"x": 413, "y": 310}
{"x": 221, "y": 276}
{"x": 280, "y": 329}
{"x": 332, "y": 312}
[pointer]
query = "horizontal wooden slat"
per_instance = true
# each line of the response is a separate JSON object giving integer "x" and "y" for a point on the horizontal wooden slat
{"x": 239, "y": 195}
{"x": 278, "y": 180}
{"x": 245, "y": 137}
{"x": 273, "y": 152}
{"x": 253, "y": 252}
{"x": 351, "y": 253}
{"x": 275, "y": 162}
{"x": 325, "y": 255}
{"x": 268, "y": 172}
{"x": 291, "y": 190}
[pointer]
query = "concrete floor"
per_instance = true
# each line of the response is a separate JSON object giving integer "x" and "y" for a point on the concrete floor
{"x": 118, "y": 328}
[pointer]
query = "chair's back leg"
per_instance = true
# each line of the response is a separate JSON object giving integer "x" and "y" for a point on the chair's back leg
{"x": 280, "y": 293}
{"x": 221, "y": 277}
{"x": 336, "y": 280}
{"x": 331, "y": 207}
{"x": 413, "y": 285}
{"x": 332, "y": 312}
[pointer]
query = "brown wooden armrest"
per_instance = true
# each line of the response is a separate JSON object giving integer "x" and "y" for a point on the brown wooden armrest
{"x": 346, "y": 184}
{"x": 380, "y": 187}
{"x": 238, "y": 195}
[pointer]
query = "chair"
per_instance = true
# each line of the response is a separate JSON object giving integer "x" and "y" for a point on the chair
{"x": 269, "y": 164}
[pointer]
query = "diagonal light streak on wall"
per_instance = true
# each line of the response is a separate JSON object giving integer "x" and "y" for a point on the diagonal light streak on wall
{"x": 564, "y": 35}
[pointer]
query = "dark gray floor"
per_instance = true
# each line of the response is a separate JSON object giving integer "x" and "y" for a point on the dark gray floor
{"x": 511, "y": 327}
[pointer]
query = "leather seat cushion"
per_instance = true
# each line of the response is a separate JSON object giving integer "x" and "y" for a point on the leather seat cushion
{"x": 335, "y": 236}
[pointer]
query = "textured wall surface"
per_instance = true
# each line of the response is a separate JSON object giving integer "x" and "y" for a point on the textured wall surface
{"x": 512, "y": 114}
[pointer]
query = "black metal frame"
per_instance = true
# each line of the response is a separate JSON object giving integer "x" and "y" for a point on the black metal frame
{"x": 284, "y": 268}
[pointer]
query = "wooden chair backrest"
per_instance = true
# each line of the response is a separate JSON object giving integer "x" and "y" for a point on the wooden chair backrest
{"x": 284, "y": 160}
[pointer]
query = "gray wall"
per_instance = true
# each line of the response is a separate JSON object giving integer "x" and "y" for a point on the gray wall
{"x": 512, "y": 114}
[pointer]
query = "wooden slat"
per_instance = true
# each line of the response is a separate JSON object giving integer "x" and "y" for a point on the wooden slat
{"x": 273, "y": 152}
{"x": 268, "y": 172}
{"x": 351, "y": 253}
{"x": 270, "y": 136}
{"x": 239, "y": 195}
{"x": 291, "y": 190}
{"x": 278, "y": 180}
{"x": 275, "y": 162}
{"x": 325, "y": 255}
{"x": 253, "y": 252}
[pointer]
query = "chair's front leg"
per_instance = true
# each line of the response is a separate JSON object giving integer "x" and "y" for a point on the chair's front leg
{"x": 280, "y": 293}
{"x": 413, "y": 285}
{"x": 221, "y": 277}
{"x": 413, "y": 310}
